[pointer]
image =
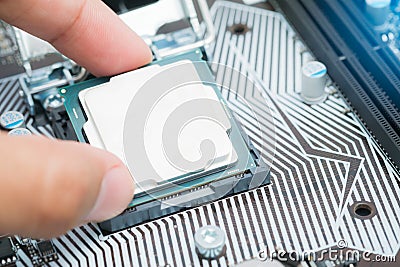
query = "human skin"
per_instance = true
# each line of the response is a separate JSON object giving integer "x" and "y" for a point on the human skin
{"x": 50, "y": 186}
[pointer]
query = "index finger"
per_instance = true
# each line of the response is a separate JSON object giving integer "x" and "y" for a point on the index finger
{"x": 86, "y": 31}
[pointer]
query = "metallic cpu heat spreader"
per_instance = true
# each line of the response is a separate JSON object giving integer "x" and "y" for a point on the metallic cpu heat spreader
{"x": 169, "y": 124}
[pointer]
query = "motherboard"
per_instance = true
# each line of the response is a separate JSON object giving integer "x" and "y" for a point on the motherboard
{"x": 332, "y": 185}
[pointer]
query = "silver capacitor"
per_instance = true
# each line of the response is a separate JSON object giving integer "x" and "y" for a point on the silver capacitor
{"x": 52, "y": 102}
{"x": 12, "y": 119}
{"x": 314, "y": 75}
{"x": 377, "y": 11}
{"x": 209, "y": 241}
{"x": 19, "y": 132}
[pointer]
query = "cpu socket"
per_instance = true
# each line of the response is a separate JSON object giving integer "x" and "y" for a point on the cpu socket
{"x": 170, "y": 125}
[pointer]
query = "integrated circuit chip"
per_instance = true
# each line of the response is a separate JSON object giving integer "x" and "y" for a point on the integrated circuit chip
{"x": 7, "y": 253}
{"x": 47, "y": 250}
{"x": 170, "y": 125}
{"x": 105, "y": 126}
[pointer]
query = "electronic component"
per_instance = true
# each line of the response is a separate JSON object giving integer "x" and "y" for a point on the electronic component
{"x": 320, "y": 154}
{"x": 313, "y": 82}
{"x": 110, "y": 124}
{"x": 46, "y": 250}
{"x": 19, "y": 132}
{"x": 6, "y": 45}
{"x": 183, "y": 101}
{"x": 33, "y": 47}
{"x": 8, "y": 257}
{"x": 364, "y": 67}
{"x": 377, "y": 10}
{"x": 12, "y": 119}
{"x": 40, "y": 252}
{"x": 45, "y": 69}
{"x": 10, "y": 59}
{"x": 170, "y": 11}
{"x": 52, "y": 101}
{"x": 209, "y": 241}
{"x": 36, "y": 53}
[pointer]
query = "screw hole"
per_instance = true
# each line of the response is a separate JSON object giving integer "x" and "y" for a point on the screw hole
{"x": 363, "y": 210}
{"x": 239, "y": 29}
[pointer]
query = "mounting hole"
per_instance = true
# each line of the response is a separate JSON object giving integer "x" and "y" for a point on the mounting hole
{"x": 239, "y": 29}
{"x": 363, "y": 210}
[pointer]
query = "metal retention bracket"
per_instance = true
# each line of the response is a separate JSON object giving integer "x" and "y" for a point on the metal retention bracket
{"x": 193, "y": 17}
{"x": 148, "y": 20}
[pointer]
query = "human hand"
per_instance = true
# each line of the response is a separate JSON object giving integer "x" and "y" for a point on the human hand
{"x": 46, "y": 186}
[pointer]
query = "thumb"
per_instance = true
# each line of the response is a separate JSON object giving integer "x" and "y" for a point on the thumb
{"x": 48, "y": 187}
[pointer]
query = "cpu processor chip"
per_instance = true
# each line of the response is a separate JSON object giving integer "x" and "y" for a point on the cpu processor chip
{"x": 105, "y": 126}
{"x": 171, "y": 127}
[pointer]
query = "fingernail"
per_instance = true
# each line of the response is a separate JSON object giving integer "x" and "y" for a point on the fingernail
{"x": 115, "y": 194}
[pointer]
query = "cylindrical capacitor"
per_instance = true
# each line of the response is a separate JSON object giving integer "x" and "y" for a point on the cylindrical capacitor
{"x": 12, "y": 119}
{"x": 19, "y": 132}
{"x": 313, "y": 82}
{"x": 209, "y": 241}
{"x": 378, "y": 11}
{"x": 52, "y": 102}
